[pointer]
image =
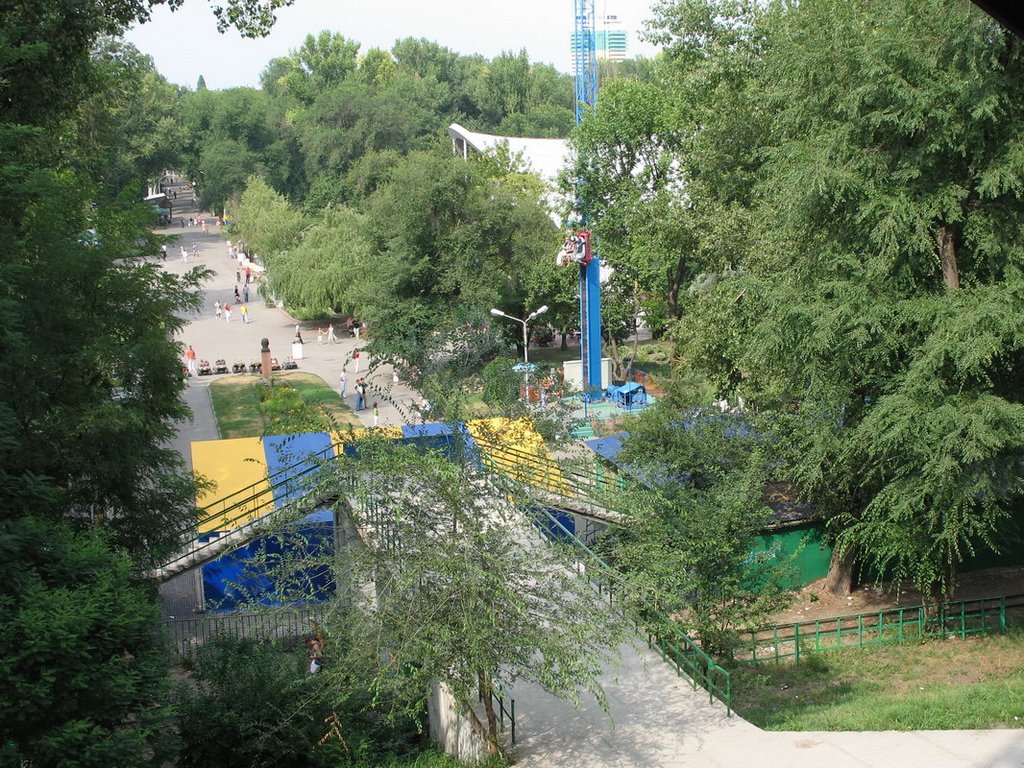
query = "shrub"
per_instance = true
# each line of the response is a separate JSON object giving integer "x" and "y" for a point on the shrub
{"x": 501, "y": 383}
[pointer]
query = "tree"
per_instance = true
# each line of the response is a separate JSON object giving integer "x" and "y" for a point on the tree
{"x": 265, "y": 221}
{"x": 873, "y": 315}
{"x": 696, "y": 501}
{"x": 451, "y": 240}
{"x": 85, "y": 668}
{"x": 201, "y": 83}
{"x": 460, "y": 589}
{"x": 319, "y": 63}
{"x": 124, "y": 134}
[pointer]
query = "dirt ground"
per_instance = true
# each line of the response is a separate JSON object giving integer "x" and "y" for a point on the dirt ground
{"x": 814, "y": 602}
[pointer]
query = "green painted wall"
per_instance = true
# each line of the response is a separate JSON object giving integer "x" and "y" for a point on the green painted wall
{"x": 812, "y": 553}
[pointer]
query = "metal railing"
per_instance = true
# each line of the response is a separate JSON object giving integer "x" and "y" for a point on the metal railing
{"x": 187, "y": 636}
{"x": 498, "y": 700}
{"x": 244, "y": 514}
{"x": 958, "y": 618}
{"x": 672, "y": 644}
{"x": 578, "y": 487}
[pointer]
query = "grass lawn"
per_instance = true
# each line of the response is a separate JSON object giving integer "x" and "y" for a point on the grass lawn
{"x": 237, "y": 402}
{"x": 934, "y": 685}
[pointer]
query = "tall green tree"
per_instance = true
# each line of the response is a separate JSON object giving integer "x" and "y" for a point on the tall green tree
{"x": 463, "y": 591}
{"x": 697, "y": 503}
{"x": 876, "y": 306}
{"x": 85, "y": 667}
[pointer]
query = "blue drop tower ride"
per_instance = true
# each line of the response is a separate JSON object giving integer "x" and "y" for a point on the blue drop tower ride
{"x": 585, "y": 60}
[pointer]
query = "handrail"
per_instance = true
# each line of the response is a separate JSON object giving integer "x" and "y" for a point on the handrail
{"x": 671, "y": 643}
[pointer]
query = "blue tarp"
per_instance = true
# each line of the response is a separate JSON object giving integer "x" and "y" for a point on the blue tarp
{"x": 608, "y": 447}
{"x": 296, "y": 453}
{"x": 246, "y": 575}
{"x": 627, "y": 395}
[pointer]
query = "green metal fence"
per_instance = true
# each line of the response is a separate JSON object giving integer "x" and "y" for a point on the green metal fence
{"x": 952, "y": 619}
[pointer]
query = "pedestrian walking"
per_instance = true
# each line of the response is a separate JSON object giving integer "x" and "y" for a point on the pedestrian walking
{"x": 245, "y": 294}
{"x": 184, "y": 254}
{"x": 245, "y": 314}
{"x": 238, "y": 276}
{"x": 343, "y": 382}
{"x": 238, "y": 298}
{"x": 227, "y": 313}
{"x": 331, "y": 338}
{"x": 248, "y": 275}
{"x": 376, "y": 414}
{"x": 359, "y": 395}
{"x": 216, "y": 309}
{"x": 195, "y": 250}
{"x": 190, "y": 360}
{"x": 320, "y": 336}
{"x": 163, "y": 249}
{"x": 355, "y": 359}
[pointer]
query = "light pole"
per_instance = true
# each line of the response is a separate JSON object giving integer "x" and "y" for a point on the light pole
{"x": 526, "y": 339}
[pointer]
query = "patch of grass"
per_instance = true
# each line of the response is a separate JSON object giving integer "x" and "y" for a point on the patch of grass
{"x": 238, "y": 403}
{"x": 931, "y": 685}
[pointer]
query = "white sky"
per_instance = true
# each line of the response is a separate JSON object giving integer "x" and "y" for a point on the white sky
{"x": 186, "y": 44}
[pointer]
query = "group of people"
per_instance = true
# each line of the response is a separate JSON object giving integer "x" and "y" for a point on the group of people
{"x": 224, "y": 310}
{"x": 360, "y": 390}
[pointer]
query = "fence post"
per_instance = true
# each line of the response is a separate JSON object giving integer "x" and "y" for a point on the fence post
{"x": 1002, "y": 614}
{"x": 796, "y": 640}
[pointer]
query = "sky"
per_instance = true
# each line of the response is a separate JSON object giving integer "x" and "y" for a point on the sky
{"x": 185, "y": 44}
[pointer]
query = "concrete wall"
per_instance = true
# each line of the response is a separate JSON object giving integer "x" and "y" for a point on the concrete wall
{"x": 458, "y": 731}
{"x": 572, "y": 370}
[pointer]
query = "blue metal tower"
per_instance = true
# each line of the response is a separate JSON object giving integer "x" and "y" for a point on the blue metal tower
{"x": 584, "y": 44}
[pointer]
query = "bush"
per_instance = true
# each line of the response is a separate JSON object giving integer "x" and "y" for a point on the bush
{"x": 501, "y": 383}
{"x": 286, "y": 413}
{"x": 251, "y": 706}
{"x": 254, "y": 704}
{"x": 84, "y": 672}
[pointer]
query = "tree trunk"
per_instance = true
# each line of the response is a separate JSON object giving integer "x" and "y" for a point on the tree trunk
{"x": 945, "y": 238}
{"x": 565, "y": 342}
{"x": 612, "y": 347}
{"x": 675, "y": 281}
{"x": 840, "y": 573}
{"x": 492, "y": 720}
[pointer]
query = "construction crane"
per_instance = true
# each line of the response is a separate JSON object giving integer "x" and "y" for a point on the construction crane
{"x": 578, "y": 248}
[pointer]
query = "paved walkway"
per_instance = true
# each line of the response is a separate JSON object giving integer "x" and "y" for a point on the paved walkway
{"x": 236, "y": 341}
{"x": 657, "y": 720}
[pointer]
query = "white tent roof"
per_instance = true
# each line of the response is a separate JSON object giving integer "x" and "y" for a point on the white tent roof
{"x": 545, "y": 157}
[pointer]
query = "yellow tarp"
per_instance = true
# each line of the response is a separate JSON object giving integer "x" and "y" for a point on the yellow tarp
{"x": 517, "y": 448}
{"x": 239, "y": 469}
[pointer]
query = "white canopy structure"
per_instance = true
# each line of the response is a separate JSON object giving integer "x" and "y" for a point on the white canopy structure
{"x": 545, "y": 157}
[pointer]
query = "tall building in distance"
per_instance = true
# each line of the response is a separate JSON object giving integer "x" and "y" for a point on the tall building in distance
{"x": 611, "y": 40}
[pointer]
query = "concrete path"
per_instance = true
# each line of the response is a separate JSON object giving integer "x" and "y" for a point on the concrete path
{"x": 236, "y": 341}
{"x": 658, "y": 721}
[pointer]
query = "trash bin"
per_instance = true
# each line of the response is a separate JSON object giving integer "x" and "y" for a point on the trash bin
{"x": 296, "y": 350}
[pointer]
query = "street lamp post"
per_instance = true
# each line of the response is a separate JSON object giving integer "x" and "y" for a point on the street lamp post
{"x": 526, "y": 338}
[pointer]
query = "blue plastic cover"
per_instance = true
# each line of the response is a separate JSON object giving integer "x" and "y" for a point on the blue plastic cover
{"x": 293, "y": 457}
{"x": 288, "y": 568}
{"x": 608, "y": 447}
